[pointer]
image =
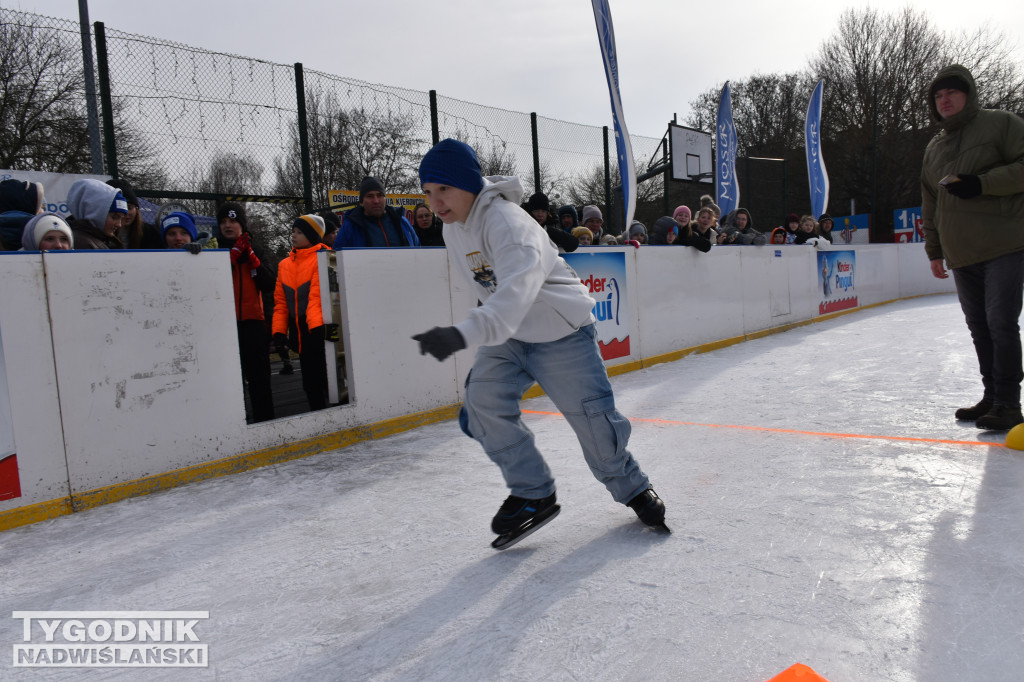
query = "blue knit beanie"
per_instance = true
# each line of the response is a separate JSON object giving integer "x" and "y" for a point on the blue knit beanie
{"x": 179, "y": 219}
{"x": 454, "y": 164}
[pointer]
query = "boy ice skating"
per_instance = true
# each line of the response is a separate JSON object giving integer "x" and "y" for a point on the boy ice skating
{"x": 535, "y": 324}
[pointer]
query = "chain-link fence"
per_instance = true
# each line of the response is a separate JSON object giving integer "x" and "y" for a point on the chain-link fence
{"x": 191, "y": 120}
{"x": 43, "y": 123}
{"x": 182, "y": 122}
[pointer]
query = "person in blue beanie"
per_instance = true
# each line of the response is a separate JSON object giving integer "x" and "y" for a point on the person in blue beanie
{"x": 178, "y": 231}
{"x": 534, "y": 325}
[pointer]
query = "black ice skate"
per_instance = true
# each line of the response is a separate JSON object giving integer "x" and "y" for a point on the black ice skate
{"x": 651, "y": 510}
{"x": 519, "y": 517}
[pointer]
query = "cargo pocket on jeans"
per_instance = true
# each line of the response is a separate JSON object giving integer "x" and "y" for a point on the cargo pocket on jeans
{"x": 608, "y": 428}
{"x": 464, "y": 414}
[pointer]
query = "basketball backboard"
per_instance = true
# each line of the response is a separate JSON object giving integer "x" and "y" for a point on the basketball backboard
{"x": 691, "y": 154}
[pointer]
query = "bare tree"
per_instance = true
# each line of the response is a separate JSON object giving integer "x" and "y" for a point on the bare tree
{"x": 552, "y": 184}
{"x": 986, "y": 52}
{"x": 496, "y": 160}
{"x": 345, "y": 145}
{"x": 768, "y": 112}
{"x": 43, "y": 122}
{"x": 877, "y": 68}
{"x": 588, "y": 188}
{"x": 231, "y": 173}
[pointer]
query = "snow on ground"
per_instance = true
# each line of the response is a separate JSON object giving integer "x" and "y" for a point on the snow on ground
{"x": 893, "y": 558}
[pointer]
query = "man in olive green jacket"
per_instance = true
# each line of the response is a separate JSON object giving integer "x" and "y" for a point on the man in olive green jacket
{"x": 972, "y": 190}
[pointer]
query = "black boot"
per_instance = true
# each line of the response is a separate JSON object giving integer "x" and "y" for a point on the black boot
{"x": 516, "y": 511}
{"x": 649, "y": 507}
{"x": 1000, "y": 418}
{"x": 970, "y": 414}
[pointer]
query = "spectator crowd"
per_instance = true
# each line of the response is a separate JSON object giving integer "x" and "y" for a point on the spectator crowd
{"x": 277, "y": 307}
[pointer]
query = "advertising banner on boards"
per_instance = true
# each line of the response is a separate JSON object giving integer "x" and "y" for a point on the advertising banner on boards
{"x": 604, "y": 274}
{"x": 836, "y": 280}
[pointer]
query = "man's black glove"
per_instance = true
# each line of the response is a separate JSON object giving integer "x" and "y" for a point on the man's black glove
{"x": 968, "y": 187}
{"x": 331, "y": 332}
{"x": 194, "y": 248}
{"x": 440, "y": 342}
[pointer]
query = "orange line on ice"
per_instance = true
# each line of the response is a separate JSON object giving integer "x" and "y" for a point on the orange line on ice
{"x": 826, "y": 434}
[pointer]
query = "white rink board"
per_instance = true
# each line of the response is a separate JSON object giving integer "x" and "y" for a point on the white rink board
{"x": 32, "y": 380}
{"x": 388, "y": 296}
{"x": 151, "y": 377}
{"x": 147, "y": 354}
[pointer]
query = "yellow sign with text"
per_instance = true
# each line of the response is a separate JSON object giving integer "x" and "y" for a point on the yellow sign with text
{"x": 344, "y": 199}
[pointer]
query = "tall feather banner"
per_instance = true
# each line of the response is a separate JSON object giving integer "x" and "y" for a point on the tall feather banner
{"x": 817, "y": 176}
{"x": 623, "y": 147}
{"x": 727, "y": 189}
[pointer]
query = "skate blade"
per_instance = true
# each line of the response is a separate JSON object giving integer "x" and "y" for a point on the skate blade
{"x": 660, "y": 528}
{"x": 506, "y": 540}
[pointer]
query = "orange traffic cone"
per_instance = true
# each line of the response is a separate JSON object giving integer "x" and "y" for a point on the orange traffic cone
{"x": 798, "y": 673}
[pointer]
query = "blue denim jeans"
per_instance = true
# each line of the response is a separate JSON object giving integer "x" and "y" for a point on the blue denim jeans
{"x": 990, "y": 295}
{"x": 571, "y": 372}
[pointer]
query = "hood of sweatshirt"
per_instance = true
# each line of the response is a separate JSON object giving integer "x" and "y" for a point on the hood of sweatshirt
{"x": 90, "y": 200}
{"x": 496, "y": 186}
{"x": 662, "y": 226}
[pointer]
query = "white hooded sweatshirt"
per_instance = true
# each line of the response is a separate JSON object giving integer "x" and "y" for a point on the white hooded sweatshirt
{"x": 529, "y": 293}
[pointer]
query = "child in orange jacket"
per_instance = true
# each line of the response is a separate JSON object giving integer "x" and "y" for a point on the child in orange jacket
{"x": 297, "y": 306}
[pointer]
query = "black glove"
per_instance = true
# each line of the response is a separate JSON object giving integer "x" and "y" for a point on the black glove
{"x": 280, "y": 340}
{"x": 440, "y": 342}
{"x": 968, "y": 187}
{"x": 193, "y": 247}
{"x": 317, "y": 332}
{"x": 331, "y": 332}
{"x": 696, "y": 241}
{"x": 563, "y": 239}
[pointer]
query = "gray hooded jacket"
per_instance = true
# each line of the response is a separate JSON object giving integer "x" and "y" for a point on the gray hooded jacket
{"x": 90, "y": 200}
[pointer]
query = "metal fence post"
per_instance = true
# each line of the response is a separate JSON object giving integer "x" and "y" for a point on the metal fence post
{"x": 435, "y": 132}
{"x": 108, "y": 108}
{"x": 872, "y": 229}
{"x": 667, "y": 175}
{"x": 300, "y": 99}
{"x": 607, "y": 179}
{"x": 92, "y": 117}
{"x": 536, "y": 152}
{"x": 785, "y": 196}
{"x": 750, "y": 193}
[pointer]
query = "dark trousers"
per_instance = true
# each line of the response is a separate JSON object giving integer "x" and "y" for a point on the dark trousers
{"x": 313, "y": 364}
{"x": 991, "y": 295}
{"x": 252, "y": 349}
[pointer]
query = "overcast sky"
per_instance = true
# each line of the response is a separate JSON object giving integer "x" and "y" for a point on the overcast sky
{"x": 529, "y": 55}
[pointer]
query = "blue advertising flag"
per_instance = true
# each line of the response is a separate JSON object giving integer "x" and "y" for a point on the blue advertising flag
{"x": 727, "y": 189}
{"x": 817, "y": 176}
{"x": 623, "y": 148}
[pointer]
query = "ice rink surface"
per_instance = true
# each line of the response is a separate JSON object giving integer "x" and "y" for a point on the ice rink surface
{"x": 826, "y": 507}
